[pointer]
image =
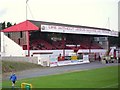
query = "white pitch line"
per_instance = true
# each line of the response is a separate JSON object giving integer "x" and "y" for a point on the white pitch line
{"x": 110, "y": 85}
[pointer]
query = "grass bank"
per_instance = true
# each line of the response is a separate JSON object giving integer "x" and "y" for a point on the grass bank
{"x": 12, "y": 66}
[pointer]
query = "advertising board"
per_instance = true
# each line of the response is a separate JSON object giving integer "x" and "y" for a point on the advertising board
{"x": 77, "y": 30}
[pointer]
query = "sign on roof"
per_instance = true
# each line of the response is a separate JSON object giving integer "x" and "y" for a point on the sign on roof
{"x": 77, "y": 30}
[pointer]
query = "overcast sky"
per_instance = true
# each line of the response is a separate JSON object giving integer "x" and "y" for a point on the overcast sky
{"x": 95, "y": 13}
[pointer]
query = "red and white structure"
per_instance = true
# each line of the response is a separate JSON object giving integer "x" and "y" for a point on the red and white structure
{"x": 48, "y": 40}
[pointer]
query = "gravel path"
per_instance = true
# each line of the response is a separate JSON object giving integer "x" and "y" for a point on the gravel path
{"x": 57, "y": 70}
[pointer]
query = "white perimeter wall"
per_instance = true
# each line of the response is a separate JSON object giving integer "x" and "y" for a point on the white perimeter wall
{"x": 9, "y": 47}
{"x": 55, "y": 52}
{"x": 68, "y": 52}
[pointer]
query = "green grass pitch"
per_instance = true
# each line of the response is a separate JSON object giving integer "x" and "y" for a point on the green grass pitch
{"x": 106, "y": 77}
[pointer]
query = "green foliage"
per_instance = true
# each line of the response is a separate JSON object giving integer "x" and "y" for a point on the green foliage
{"x": 6, "y": 24}
{"x": 9, "y": 24}
{"x": 3, "y": 25}
{"x": 14, "y": 23}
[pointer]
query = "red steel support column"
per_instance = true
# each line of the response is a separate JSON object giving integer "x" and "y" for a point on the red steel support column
{"x": 28, "y": 45}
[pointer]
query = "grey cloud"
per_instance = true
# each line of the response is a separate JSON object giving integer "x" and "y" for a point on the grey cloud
{"x": 3, "y": 12}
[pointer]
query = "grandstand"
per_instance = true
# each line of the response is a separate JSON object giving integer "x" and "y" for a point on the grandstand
{"x": 42, "y": 37}
{"x": 53, "y": 41}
